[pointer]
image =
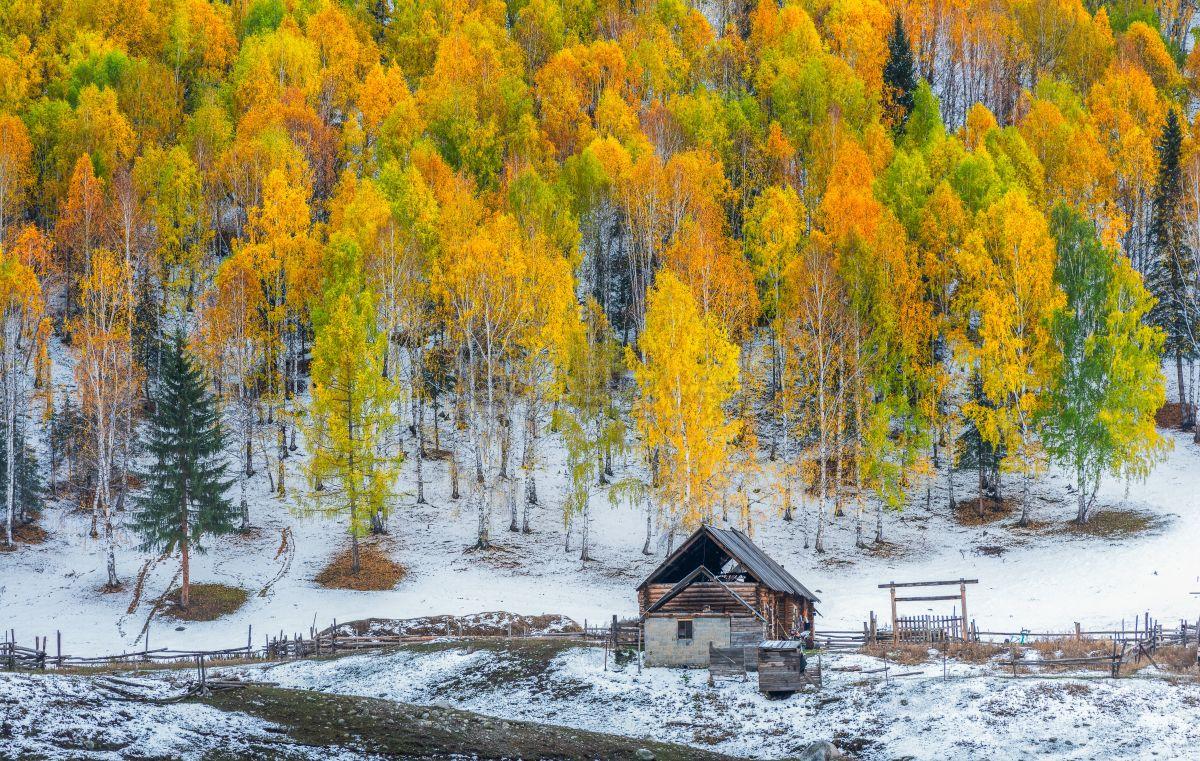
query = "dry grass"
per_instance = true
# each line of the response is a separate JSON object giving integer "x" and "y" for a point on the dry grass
{"x": 1058, "y": 648}
{"x": 207, "y": 602}
{"x": 1070, "y": 647}
{"x": 904, "y": 654}
{"x": 973, "y": 512}
{"x": 1113, "y": 523}
{"x": 1174, "y": 658}
{"x": 913, "y": 654}
{"x": 377, "y": 571}
{"x": 975, "y": 652}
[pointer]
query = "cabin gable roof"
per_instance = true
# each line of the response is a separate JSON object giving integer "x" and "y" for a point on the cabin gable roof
{"x": 712, "y": 548}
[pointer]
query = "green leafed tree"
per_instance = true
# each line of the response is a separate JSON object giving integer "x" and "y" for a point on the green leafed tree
{"x": 1099, "y": 416}
{"x": 351, "y": 470}
{"x": 588, "y": 421}
{"x": 184, "y": 498}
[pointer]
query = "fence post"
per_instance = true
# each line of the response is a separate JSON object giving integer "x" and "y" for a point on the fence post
{"x": 962, "y": 591}
{"x": 639, "y": 649}
{"x": 895, "y": 629}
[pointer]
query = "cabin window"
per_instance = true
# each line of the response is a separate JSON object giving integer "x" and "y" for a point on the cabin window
{"x": 684, "y": 630}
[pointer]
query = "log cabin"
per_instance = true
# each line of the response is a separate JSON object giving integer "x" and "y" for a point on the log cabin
{"x": 720, "y": 590}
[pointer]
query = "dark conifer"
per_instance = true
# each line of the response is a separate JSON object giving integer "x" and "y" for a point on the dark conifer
{"x": 900, "y": 73}
{"x": 974, "y": 452}
{"x": 184, "y": 495}
{"x": 1171, "y": 271}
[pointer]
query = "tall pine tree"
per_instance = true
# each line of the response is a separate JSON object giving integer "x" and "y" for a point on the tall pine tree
{"x": 184, "y": 498}
{"x": 1171, "y": 273}
{"x": 899, "y": 74}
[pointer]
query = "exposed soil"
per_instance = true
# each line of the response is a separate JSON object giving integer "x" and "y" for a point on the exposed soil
{"x": 976, "y": 512}
{"x": 397, "y": 730}
{"x": 26, "y": 533}
{"x": 377, "y": 572}
{"x": 1114, "y": 523}
{"x": 207, "y": 602}
{"x": 1170, "y": 416}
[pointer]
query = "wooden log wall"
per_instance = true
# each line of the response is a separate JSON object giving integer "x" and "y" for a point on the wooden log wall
{"x": 703, "y": 595}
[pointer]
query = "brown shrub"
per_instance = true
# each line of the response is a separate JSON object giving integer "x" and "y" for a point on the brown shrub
{"x": 377, "y": 572}
{"x": 206, "y": 602}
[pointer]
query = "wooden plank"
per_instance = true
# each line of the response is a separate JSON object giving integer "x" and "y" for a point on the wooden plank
{"x": 927, "y": 598}
{"x": 895, "y": 585}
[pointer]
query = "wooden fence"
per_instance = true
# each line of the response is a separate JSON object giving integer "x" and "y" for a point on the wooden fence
{"x": 281, "y": 646}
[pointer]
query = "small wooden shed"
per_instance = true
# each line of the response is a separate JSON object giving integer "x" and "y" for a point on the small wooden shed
{"x": 720, "y": 590}
{"x": 783, "y": 668}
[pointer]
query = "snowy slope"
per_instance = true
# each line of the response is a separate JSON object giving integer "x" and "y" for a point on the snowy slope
{"x": 58, "y": 717}
{"x": 1041, "y": 579}
{"x": 978, "y": 713}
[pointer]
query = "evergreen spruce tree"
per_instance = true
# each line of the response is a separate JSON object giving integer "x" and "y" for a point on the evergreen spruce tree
{"x": 975, "y": 452}
{"x": 1171, "y": 271}
{"x": 184, "y": 496}
{"x": 28, "y": 489}
{"x": 900, "y": 74}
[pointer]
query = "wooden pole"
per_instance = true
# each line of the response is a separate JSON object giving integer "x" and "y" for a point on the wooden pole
{"x": 962, "y": 590}
{"x": 895, "y": 631}
{"x": 639, "y": 649}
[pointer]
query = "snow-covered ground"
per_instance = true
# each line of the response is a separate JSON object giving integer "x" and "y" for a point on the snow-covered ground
{"x": 978, "y": 713}
{"x": 1040, "y": 579}
{"x": 62, "y": 717}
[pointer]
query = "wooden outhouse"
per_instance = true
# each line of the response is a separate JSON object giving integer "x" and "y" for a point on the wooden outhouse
{"x": 720, "y": 590}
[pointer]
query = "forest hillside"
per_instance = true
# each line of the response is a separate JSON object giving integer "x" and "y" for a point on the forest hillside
{"x": 809, "y": 264}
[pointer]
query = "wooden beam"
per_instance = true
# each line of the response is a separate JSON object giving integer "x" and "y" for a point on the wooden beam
{"x": 928, "y": 598}
{"x": 894, "y": 585}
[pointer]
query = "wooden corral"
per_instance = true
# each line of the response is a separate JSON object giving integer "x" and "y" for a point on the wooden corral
{"x": 782, "y": 667}
{"x": 720, "y": 590}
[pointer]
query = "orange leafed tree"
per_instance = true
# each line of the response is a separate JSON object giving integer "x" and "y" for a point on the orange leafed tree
{"x": 15, "y": 169}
